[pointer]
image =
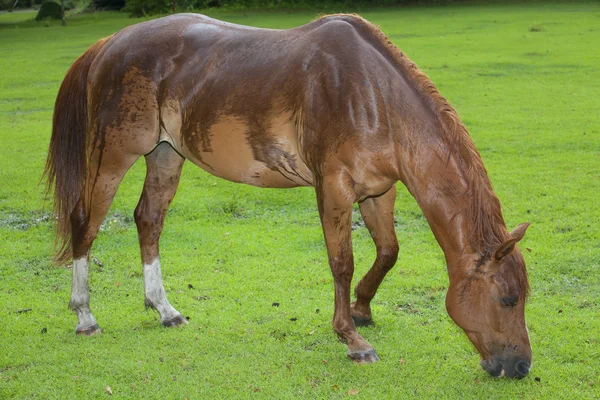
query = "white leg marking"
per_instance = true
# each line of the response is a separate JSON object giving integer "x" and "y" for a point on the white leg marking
{"x": 155, "y": 292}
{"x": 80, "y": 296}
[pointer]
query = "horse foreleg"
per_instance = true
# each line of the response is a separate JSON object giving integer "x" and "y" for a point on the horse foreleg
{"x": 378, "y": 214}
{"x": 335, "y": 201}
{"x": 163, "y": 169}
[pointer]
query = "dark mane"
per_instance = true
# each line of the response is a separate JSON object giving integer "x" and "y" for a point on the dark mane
{"x": 484, "y": 210}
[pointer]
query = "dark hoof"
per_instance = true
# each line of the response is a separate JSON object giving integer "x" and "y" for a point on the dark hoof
{"x": 175, "y": 321}
{"x": 364, "y": 357}
{"x": 92, "y": 330}
{"x": 362, "y": 321}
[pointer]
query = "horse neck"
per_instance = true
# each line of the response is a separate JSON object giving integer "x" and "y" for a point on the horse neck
{"x": 455, "y": 196}
{"x": 437, "y": 160}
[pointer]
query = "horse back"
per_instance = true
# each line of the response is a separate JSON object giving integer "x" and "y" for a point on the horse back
{"x": 259, "y": 106}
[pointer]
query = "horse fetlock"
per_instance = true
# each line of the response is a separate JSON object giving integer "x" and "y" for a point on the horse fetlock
{"x": 359, "y": 350}
{"x": 361, "y": 314}
{"x": 169, "y": 316}
{"x": 86, "y": 324}
{"x": 75, "y": 304}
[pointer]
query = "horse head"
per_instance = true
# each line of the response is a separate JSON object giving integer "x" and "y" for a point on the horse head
{"x": 487, "y": 300}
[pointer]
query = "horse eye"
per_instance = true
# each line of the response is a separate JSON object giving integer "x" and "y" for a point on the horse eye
{"x": 510, "y": 301}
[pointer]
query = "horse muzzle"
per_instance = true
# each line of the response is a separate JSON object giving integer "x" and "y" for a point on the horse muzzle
{"x": 517, "y": 368}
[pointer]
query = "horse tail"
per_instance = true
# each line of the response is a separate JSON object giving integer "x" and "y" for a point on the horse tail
{"x": 66, "y": 165}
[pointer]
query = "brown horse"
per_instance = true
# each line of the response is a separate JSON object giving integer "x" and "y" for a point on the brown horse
{"x": 331, "y": 104}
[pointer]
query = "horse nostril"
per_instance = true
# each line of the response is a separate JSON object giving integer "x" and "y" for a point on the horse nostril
{"x": 522, "y": 369}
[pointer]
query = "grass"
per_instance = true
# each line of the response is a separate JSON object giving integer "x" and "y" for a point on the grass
{"x": 525, "y": 80}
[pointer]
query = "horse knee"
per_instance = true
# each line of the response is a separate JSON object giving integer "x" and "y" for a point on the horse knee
{"x": 387, "y": 257}
{"x": 342, "y": 268}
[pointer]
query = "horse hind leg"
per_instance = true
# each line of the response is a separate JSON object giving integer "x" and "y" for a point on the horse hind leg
{"x": 378, "y": 214}
{"x": 163, "y": 169}
{"x": 89, "y": 212}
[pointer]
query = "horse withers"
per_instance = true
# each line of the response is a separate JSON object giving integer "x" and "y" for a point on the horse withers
{"x": 331, "y": 104}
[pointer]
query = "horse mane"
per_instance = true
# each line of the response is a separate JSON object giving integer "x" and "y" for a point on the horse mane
{"x": 484, "y": 211}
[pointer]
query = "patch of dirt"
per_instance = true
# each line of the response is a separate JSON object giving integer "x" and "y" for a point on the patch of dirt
{"x": 22, "y": 221}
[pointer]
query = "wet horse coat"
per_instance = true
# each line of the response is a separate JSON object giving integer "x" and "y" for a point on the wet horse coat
{"x": 331, "y": 104}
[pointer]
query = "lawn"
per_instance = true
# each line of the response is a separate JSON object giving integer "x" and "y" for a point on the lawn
{"x": 525, "y": 80}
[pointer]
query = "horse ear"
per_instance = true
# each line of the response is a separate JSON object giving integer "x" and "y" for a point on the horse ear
{"x": 507, "y": 247}
{"x": 519, "y": 231}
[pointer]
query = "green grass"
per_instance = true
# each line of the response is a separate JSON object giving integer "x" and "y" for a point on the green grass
{"x": 525, "y": 80}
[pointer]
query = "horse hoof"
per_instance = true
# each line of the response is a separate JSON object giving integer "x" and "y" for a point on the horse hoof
{"x": 364, "y": 357}
{"x": 362, "y": 321}
{"x": 89, "y": 331}
{"x": 175, "y": 321}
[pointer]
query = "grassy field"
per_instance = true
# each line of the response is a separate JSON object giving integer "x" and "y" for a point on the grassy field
{"x": 525, "y": 80}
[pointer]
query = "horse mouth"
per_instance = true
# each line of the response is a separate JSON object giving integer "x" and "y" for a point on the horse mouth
{"x": 500, "y": 368}
{"x": 493, "y": 367}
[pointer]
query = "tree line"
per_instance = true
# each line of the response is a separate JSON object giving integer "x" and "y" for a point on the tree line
{"x": 138, "y": 8}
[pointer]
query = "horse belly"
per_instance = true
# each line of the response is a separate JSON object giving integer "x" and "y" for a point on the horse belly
{"x": 230, "y": 149}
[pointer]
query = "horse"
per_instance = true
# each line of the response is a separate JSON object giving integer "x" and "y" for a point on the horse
{"x": 332, "y": 104}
